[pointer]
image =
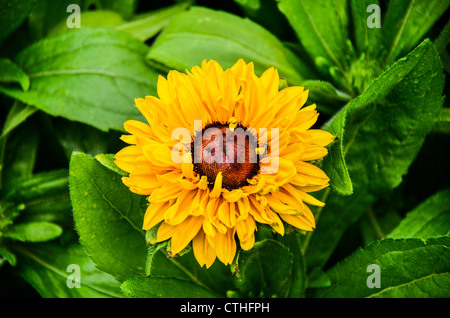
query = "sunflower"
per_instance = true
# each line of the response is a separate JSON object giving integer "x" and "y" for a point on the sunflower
{"x": 222, "y": 151}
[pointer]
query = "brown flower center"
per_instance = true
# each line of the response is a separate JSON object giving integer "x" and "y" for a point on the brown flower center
{"x": 217, "y": 148}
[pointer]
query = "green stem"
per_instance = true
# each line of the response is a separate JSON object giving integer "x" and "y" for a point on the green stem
{"x": 2, "y": 157}
{"x": 308, "y": 235}
{"x": 375, "y": 224}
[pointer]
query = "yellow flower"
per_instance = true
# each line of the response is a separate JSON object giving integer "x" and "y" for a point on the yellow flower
{"x": 222, "y": 151}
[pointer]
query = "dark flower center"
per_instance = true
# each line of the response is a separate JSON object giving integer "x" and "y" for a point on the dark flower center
{"x": 217, "y": 148}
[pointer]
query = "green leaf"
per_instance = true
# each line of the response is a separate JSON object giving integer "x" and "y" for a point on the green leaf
{"x": 163, "y": 287}
{"x": 125, "y": 7}
{"x": 33, "y": 232}
{"x": 334, "y": 163}
{"x": 217, "y": 279}
{"x": 318, "y": 278}
{"x": 152, "y": 250}
{"x": 147, "y": 25}
{"x": 208, "y": 34}
{"x": 49, "y": 268}
{"x": 89, "y": 75}
{"x": 367, "y": 40}
{"x": 328, "y": 99}
{"x": 12, "y": 14}
{"x": 49, "y": 13}
{"x": 321, "y": 26}
{"x": 444, "y": 38}
{"x": 8, "y": 256}
{"x": 108, "y": 218}
{"x": 94, "y": 19}
{"x": 11, "y": 73}
{"x": 432, "y": 286}
{"x": 45, "y": 197}
{"x": 265, "y": 270}
{"x": 266, "y": 14}
{"x": 430, "y": 218}
{"x": 405, "y": 266}
{"x": 406, "y": 22}
{"x": 107, "y": 160}
{"x": 17, "y": 115}
{"x": 385, "y": 128}
{"x": 38, "y": 186}
{"x": 20, "y": 152}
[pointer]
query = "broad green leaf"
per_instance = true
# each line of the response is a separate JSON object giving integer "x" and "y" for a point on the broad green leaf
{"x": 11, "y": 73}
{"x": 406, "y": 22}
{"x": 94, "y": 19}
{"x": 321, "y": 27}
{"x": 12, "y": 14}
{"x": 432, "y": 286}
{"x": 108, "y": 218}
{"x": 431, "y": 218}
{"x": 164, "y": 287}
{"x": 89, "y": 75}
{"x": 18, "y": 114}
{"x": 33, "y": 232}
{"x": 334, "y": 162}
{"x": 146, "y": 25}
{"x": 385, "y": 128}
{"x": 265, "y": 270}
{"x": 406, "y": 265}
{"x": 52, "y": 269}
{"x": 208, "y": 34}
{"x": 49, "y": 13}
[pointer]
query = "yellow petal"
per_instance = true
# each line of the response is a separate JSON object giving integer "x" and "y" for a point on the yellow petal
{"x": 217, "y": 190}
{"x": 298, "y": 221}
{"x": 185, "y": 232}
{"x": 180, "y": 211}
{"x": 225, "y": 246}
{"x": 245, "y": 229}
{"x": 166, "y": 192}
{"x": 204, "y": 253}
